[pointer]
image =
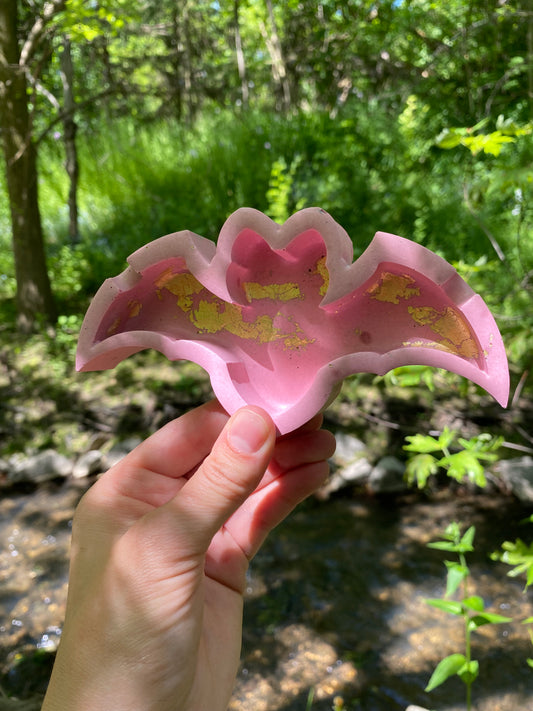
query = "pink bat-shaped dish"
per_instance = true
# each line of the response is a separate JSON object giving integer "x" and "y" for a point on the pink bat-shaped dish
{"x": 278, "y": 315}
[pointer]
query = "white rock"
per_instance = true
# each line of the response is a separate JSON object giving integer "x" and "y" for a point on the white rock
{"x": 41, "y": 467}
{"x": 349, "y": 465}
{"x": 349, "y": 448}
{"x": 89, "y": 463}
{"x": 517, "y": 475}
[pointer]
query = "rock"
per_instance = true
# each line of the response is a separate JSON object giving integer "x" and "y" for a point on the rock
{"x": 92, "y": 462}
{"x": 349, "y": 448}
{"x": 416, "y": 708}
{"x": 41, "y": 467}
{"x": 349, "y": 465}
{"x": 517, "y": 475}
{"x": 387, "y": 477}
{"x": 119, "y": 451}
{"x": 355, "y": 474}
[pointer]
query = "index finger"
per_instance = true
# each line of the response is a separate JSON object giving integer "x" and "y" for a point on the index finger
{"x": 182, "y": 444}
{"x": 153, "y": 472}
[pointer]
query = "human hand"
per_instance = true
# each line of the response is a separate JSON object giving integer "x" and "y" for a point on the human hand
{"x": 161, "y": 545}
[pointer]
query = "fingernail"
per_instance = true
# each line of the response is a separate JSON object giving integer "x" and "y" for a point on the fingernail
{"x": 248, "y": 432}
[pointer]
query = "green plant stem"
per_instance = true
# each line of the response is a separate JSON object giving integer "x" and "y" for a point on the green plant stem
{"x": 468, "y": 653}
{"x": 468, "y": 658}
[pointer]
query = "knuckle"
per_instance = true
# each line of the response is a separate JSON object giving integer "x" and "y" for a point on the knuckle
{"x": 221, "y": 474}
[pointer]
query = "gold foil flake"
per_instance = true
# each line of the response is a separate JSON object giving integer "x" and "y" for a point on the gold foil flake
{"x": 450, "y": 325}
{"x": 393, "y": 287}
{"x": 215, "y": 317}
{"x": 297, "y": 342}
{"x": 429, "y": 344}
{"x": 279, "y": 292}
{"x": 212, "y": 315}
{"x": 164, "y": 277}
{"x": 322, "y": 271}
{"x": 135, "y": 308}
{"x": 114, "y": 327}
{"x": 183, "y": 285}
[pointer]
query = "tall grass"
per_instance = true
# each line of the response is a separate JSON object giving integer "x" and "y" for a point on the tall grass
{"x": 372, "y": 171}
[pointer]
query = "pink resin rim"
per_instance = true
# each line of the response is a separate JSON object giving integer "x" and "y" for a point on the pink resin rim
{"x": 278, "y": 315}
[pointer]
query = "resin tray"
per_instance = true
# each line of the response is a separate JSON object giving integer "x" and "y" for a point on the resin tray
{"x": 278, "y": 315}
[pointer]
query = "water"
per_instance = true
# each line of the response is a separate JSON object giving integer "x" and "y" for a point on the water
{"x": 35, "y": 530}
{"x": 335, "y": 603}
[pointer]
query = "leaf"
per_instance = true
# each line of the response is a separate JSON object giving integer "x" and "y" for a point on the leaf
{"x": 446, "y": 668}
{"x": 419, "y": 468}
{"x": 469, "y": 671}
{"x": 456, "y": 574}
{"x": 453, "y": 531}
{"x": 422, "y": 443}
{"x": 519, "y": 555}
{"x": 483, "y": 443}
{"x": 446, "y": 438}
{"x": 464, "y": 463}
{"x": 451, "y": 606}
{"x": 487, "y": 618}
{"x": 450, "y": 138}
{"x": 407, "y": 376}
{"x": 467, "y": 540}
{"x": 449, "y": 546}
{"x": 491, "y": 143}
{"x": 474, "y": 602}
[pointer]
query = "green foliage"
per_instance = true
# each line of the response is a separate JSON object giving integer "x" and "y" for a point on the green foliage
{"x": 470, "y": 608}
{"x": 64, "y": 341}
{"x": 170, "y": 144}
{"x": 279, "y": 193}
{"x": 466, "y": 462}
{"x": 492, "y": 143}
{"x": 519, "y": 555}
{"x": 370, "y": 170}
{"x": 409, "y": 376}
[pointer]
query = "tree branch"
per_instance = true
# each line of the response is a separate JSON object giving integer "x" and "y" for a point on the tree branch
{"x": 50, "y": 10}
{"x": 40, "y": 89}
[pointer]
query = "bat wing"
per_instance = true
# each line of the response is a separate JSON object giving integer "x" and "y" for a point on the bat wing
{"x": 409, "y": 306}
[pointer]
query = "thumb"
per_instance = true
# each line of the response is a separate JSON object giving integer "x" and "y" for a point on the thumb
{"x": 226, "y": 477}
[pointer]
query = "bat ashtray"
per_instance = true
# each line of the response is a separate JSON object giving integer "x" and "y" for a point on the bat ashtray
{"x": 279, "y": 315}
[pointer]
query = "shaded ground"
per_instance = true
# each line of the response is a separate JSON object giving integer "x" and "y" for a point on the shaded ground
{"x": 335, "y": 604}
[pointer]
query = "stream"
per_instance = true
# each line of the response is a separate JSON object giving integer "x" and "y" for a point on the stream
{"x": 335, "y": 603}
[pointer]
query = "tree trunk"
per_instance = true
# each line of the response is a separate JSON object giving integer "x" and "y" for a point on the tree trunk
{"x": 529, "y": 59}
{"x": 174, "y": 45}
{"x": 70, "y": 128}
{"x": 34, "y": 295}
{"x": 241, "y": 64}
{"x": 279, "y": 69}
